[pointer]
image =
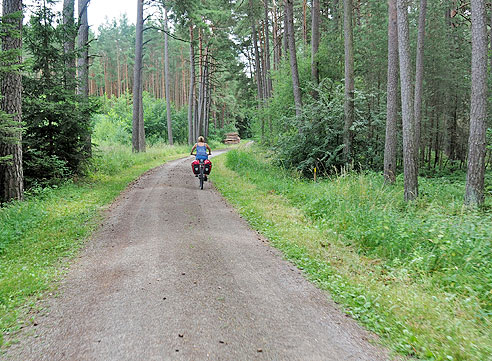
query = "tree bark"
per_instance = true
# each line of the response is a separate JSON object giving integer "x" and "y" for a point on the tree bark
{"x": 419, "y": 75}
{"x": 392, "y": 96}
{"x": 315, "y": 36}
{"x": 268, "y": 78}
{"x": 118, "y": 70}
{"x": 83, "y": 40}
{"x": 474, "y": 192}
{"x": 166, "y": 72}
{"x": 276, "y": 45}
{"x": 141, "y": 129}
{"x": 137, "y": 80}
{"x": 191, "y": 92}
{"x": 304, "y": 22}
{"x": 257, "y": 56}
{"x": 289, "y": 12}
{"x": 285, "y": 38}
{"x": 11, "y": 172}
{"x": 409, "y": 150}
{"x": 201, "y": 94}
{"x": 349, "y": 79}
{"x": 83, "y": 61}
{"x": 69, "y": 44}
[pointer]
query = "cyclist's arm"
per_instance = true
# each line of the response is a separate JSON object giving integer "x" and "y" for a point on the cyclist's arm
{"x": 192, "y": 149}
{"x": 209, "y": 150}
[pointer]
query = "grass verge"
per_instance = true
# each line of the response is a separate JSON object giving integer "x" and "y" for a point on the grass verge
{"x": 39, "y": 235}
{"x": 426, "y": 298}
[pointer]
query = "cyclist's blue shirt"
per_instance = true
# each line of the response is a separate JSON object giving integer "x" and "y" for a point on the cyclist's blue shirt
{"x": 201, "y": 152}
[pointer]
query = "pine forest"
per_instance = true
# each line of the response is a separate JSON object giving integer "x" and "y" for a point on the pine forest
{"x": 372, "y": 118}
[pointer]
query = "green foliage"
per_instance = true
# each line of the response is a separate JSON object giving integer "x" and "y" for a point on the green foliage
{"x": 418, "y": 274}
{"x": 316, "y": 140}
{"x": 115, "y": 124}
{"x": 218, "y": 134}
{"x": 433, "y": 236}
{"x": 57, "y": 126}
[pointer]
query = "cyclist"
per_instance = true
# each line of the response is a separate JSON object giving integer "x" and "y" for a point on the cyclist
{"x": 201, "y": 149}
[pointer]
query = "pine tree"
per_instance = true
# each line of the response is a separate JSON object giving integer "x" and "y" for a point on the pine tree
{"x": 474, "y": 193}
{"x": 409, "y": 149}
{"x": 56, "y": 118}
{"x": 11, "y": 168}
{"x": 392, "y": 96}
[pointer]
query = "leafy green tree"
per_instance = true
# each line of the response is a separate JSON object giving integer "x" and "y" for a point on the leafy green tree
{"x": 56, "y": 118}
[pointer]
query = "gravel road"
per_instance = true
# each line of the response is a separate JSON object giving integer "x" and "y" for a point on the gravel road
{"x": 175, "y": 274}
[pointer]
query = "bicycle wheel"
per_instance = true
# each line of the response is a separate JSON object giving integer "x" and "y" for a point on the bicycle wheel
{"x": 201, "y": 177}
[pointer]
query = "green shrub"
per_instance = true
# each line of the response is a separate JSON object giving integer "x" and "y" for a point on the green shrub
{"x": 115, "y": 124}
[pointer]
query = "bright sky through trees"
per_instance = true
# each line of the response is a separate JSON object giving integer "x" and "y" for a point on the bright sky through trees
{"x": 100, "y": 10}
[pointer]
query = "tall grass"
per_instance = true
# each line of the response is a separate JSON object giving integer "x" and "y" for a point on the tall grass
{"x": 428, "y": 265}
{"x": 37, "y": 235}
{"x": 434, "y": 236}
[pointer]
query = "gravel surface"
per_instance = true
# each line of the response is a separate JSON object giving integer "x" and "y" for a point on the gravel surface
{"x": 175, "y": 274}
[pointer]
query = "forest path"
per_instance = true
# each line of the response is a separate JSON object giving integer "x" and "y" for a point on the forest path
{"x": 175, "y": 274}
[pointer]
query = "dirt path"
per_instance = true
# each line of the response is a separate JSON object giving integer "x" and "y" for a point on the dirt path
{"x": 176, "y": 274}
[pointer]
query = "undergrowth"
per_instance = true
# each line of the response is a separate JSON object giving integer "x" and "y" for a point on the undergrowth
{"x": 419, "y": 274}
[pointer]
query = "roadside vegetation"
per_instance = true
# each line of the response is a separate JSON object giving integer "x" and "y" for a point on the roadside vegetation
{"x": 39, "y": 236}
{"x": 418, "y": 274}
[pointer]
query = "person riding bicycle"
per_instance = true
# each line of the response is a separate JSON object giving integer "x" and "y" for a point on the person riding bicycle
{"x": 201, "y": 152}
{"x": 201, "y": 149}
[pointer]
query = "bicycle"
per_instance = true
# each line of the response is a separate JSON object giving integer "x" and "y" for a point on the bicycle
{"x": 204, "y": 167}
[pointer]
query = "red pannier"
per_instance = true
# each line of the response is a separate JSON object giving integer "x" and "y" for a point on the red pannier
{"x": 195, "y": 166}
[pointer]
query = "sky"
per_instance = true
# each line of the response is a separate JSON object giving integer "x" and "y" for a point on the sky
{"x": 100, "y": 10}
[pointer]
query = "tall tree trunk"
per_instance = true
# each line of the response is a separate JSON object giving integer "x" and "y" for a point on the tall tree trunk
{"x": 118, "y": 70}
{"x": 268, "y": 78}
{"x": 490, "y": 36}
{"x": 195, "y": 119}
{"x": 199, "y": 110}
{"x": 83, "y": 61}
{"x": 314, "y": 45}
{"x": 207, "y": 102}
{"x": 409, "y": 150}
{"x": 201, "y": 95}
{"x": 474, "y": 193}
{"x": 392, "y": 96}
{"x": 258, "y": 73}
{"x": 83, "y": 40}
{"x": 11, "y": 172}
{"x": 166, "y": 71}
{"x": 304, "y": 22}
{"x": 289, "y": 12}
{"x": 419, "y": 76}
{"x": 191, "y": 101}
{"x": 349, "y": 79}
{"x": 261, "y": 41}
{"x": 137, "y": 80}
{"x": 69, "y": 44}
{"x": 276, "y": 44}
{"x": 286, "y": 31}
{"x": 141, "y": 129}
{"x": 126, "y": 76}
{"x": 452, "y": 128}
